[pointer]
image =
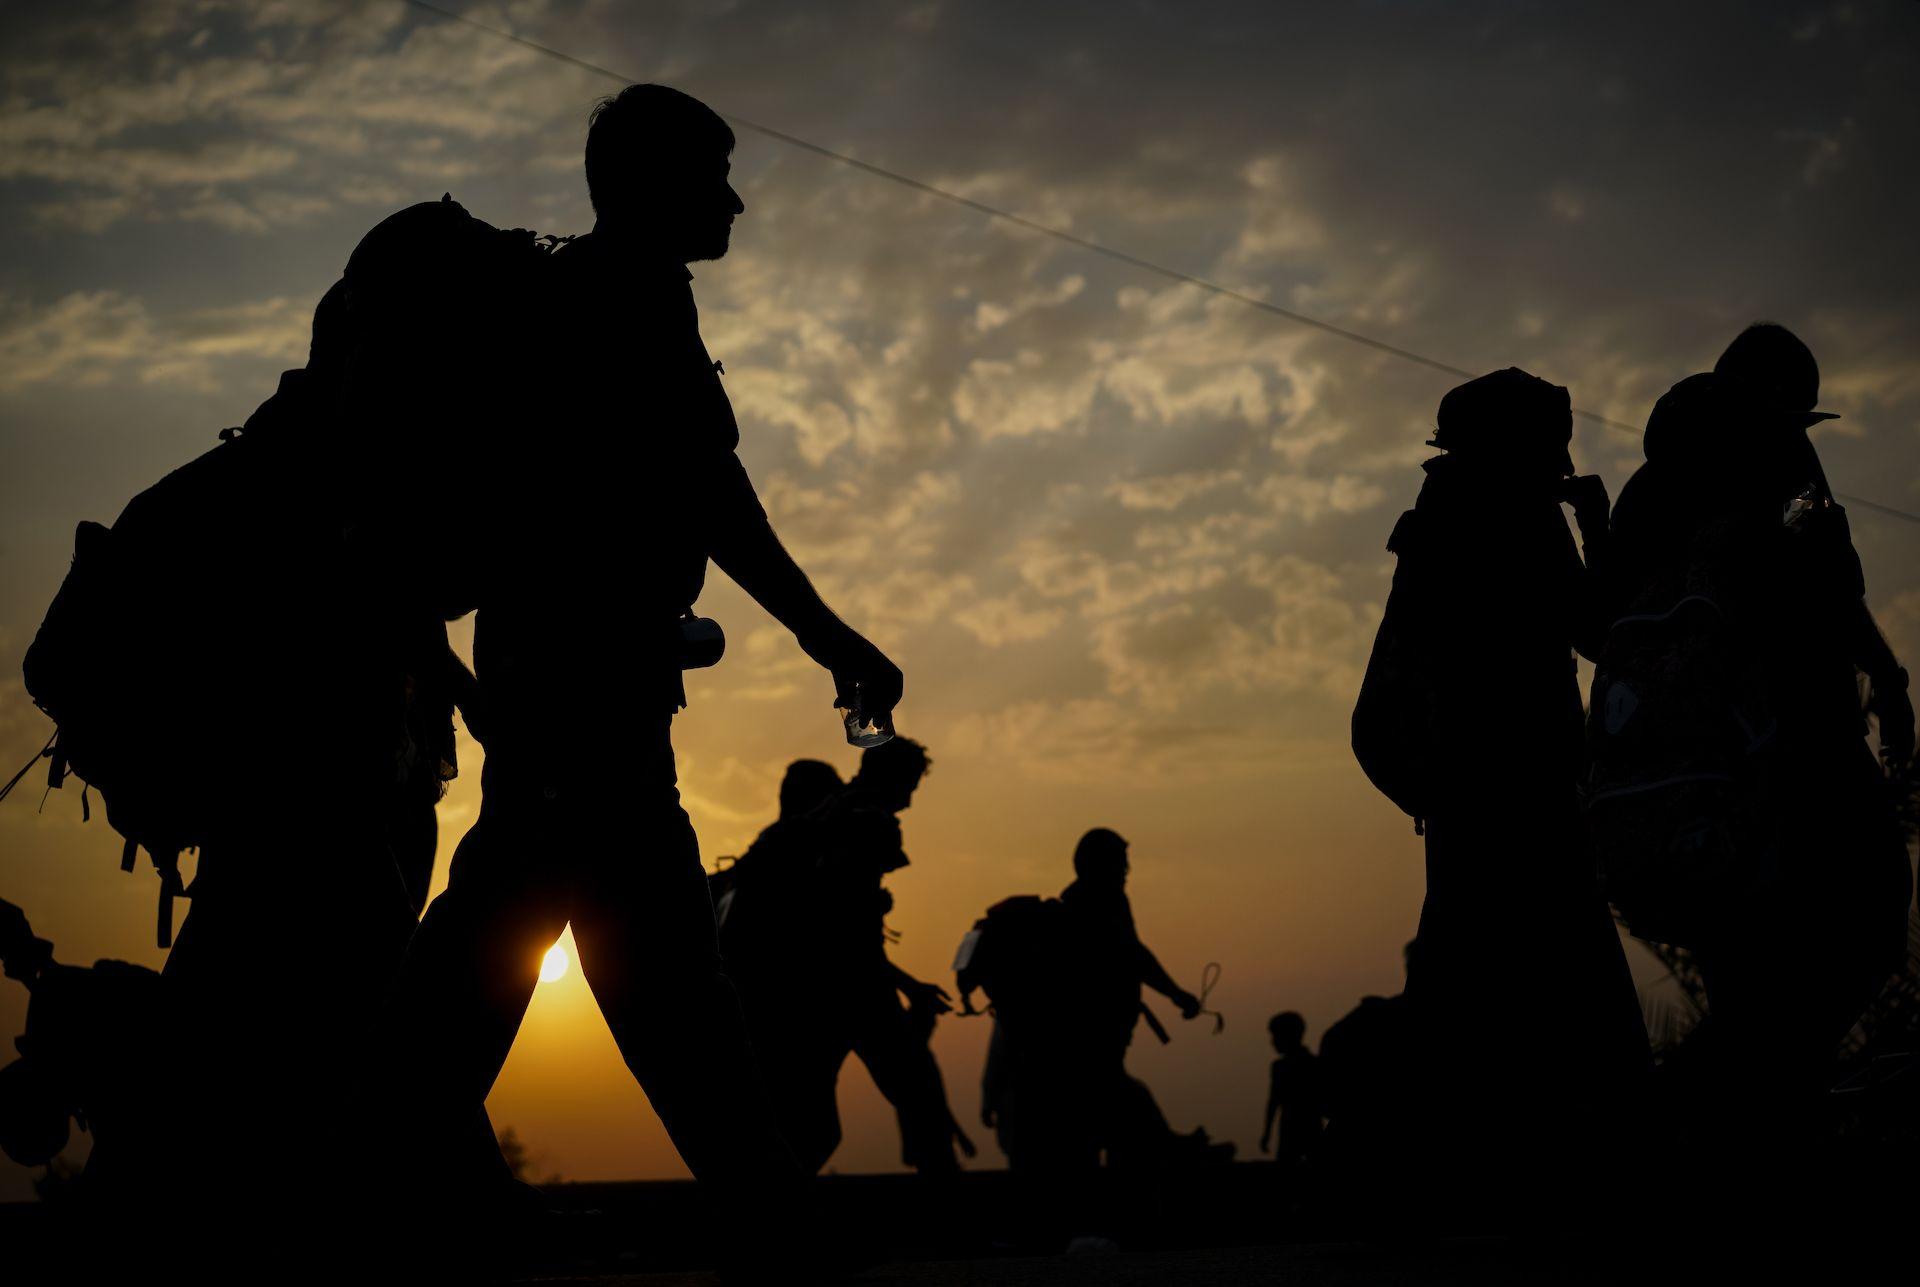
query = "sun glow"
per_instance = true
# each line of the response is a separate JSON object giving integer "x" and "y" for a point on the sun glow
{"x": 553, "y": 964}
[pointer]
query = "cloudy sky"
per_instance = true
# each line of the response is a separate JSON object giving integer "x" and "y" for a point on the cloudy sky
{"x": 1125, "y": 537}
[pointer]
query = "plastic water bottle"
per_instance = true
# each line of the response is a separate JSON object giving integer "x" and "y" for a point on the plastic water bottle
{"x": 862, "y": 730}
{"x": 1798, "y": 512}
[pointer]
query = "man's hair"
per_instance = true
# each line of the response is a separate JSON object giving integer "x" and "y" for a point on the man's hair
{"x": 900, "y": 758}
{"x": 1099, "y": 853}
{"x": 646, "y": 128}
{"x": 1288, "y": 1025}
{"x": 806, "y": 786}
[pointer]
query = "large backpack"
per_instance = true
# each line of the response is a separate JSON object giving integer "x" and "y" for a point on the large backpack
{"x": 227, "y": 615}
{"x": 1393, "y": 717}
{"x": 1683, "y": 744}
{"x": 1014, "y": 955}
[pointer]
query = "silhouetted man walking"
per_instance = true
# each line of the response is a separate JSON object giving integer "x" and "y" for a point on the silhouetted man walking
{"x": 1066, "y": 978}
{"x": 1470, "y": 717}
{"x": 1800, "y": 886}
{"x": 623, "y": 486}
{"x": 805, "y": 936}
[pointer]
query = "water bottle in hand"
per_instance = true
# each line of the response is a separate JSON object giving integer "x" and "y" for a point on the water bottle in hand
{"x": 863, "y": 730}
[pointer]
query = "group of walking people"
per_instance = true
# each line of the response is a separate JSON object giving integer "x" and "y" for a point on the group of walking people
{"x": 549, "y": 443}
{"x": 1718, "y": 789}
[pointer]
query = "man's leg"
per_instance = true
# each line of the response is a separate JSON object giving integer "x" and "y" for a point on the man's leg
{"x": 895, "y": 1049}
{"x": 798, "y": 1052}
{"x": 470, "y": 973}
{"x": 643, "y": 922}
{"x": 267, "y": 1011}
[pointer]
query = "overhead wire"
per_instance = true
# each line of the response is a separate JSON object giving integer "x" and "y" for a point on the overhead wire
{"x": 1069, "y": 238}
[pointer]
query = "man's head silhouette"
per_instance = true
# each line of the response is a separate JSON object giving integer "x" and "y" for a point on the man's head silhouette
{"x": 892, "y": 771}
{"x": 1101, "y": 859}
{"x": 806, "y": 787}
{"x": 1288, "y": 1030}
{"x": 657, "y": 171}
{"x": 1508, "y": 422}
{"x": 1772, "y": 374}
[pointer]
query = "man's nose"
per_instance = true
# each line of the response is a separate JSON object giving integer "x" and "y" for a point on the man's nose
{"x": 739, "y": 206}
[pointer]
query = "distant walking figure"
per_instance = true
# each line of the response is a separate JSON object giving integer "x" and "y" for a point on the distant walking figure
{"x": 1065, "y": 977}
{"x": 803, "y": 933}
{"x": 1470, "y": 718}
{"x": 600, "y": 522}
{"x": 1296, "y": 1101}
{"x": 1738, "y": 810}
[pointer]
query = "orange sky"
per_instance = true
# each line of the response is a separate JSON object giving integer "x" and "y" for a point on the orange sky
{"x": 1125, "y": 539}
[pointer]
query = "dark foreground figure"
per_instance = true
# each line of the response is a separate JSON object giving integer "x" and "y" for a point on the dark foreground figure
{"x": 1737, "y": 806}
{"x": 314, "y": 821}
{"x": 597, "y": 553}
{"x": 803, "y": 933}
{"x": 1470, "y": 718}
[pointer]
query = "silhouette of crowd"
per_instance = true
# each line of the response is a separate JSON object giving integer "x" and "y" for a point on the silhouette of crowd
{"x": 1717, "y": 790}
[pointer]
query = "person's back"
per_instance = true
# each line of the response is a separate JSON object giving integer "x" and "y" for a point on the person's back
{"x": 1715, "y": 492}
{"x": 1490, "y": 602}
{"x": 1498, "y": 595}
{"x": 335, "y": 842}
{"x": 764, "y": 901}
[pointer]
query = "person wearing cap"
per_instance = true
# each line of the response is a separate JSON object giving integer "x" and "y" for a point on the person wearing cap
{"x": 1518, "y": 959}
{"x": 1732, "y": 477}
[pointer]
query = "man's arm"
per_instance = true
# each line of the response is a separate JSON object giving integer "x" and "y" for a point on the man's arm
{"x": 1155, "y": 976}
{"x": 1888, "y": 698}
{"x": 743, "y": 543}
{"x": 1273, "y": 1108}
{"x": 1593, "y": 607}
{"x": 919, "y": 995}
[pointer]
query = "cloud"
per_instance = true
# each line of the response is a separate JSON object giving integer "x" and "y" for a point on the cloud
{"x": 91, "y": 338}
{"x": 181, "y": 114}
{"x": 988, "y": 445}
{"x": 1169, "y": 491}
{"x": 1004, "y": 620}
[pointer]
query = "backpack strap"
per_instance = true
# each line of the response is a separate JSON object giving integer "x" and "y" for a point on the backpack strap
{"x": 168, "y": 866}
{"x": 43, "y": 752}
{"x": 171, "y": 886}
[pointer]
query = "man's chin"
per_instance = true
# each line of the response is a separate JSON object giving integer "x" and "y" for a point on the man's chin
{"x": 714, "y": 249}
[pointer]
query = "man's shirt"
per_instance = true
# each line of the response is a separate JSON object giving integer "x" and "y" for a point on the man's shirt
{"x": 608, "y": 504}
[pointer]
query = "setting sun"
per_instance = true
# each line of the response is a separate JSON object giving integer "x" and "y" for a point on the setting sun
{"x": 553, "y": 964}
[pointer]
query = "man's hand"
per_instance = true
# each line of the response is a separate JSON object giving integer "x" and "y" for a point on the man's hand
{"x": 1893, "y": 709}
{"x": 863, "y": 677}
{"x": 743, "y": 544}
{"x": 1587, "y": 493}
{"x": 466, "y": 696}
{"x": 1189, "y": 1005}
{"x": 927, "y": 996}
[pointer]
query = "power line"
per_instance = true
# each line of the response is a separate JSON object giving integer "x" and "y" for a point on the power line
{"x": 1071, "y": 239}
